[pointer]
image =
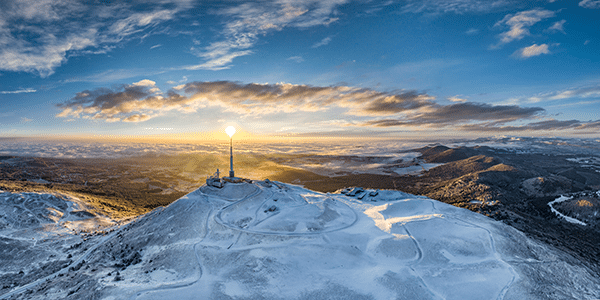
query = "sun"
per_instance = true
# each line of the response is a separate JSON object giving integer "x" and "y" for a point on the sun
{"x": 230, "y": 131}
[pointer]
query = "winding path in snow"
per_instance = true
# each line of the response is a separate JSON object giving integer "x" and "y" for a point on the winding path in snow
{"x": 559, "y": 214}
{"x": 215, "y": 217}
{"x": 200, "y": 272}
{"x": 210, "y": 216}
{"x": 496, "y": 254}
{"x": 219, "y": 220}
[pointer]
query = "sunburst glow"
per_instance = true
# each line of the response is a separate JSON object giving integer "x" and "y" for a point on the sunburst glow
{"x": 230, "y": 131}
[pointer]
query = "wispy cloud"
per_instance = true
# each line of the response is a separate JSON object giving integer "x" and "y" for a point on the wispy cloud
{"x": 28, "y": 90}
{"x": 323, "y": 42}
{"x": 457, "y": 99}
{"x": 582, "y": 92}
{"x": 533, "y": 50}
{"x": 111, "y": 75}
{"x": 520, "y": 23}
{"x": 454, "y": 6}
{"x": 249, "y": 21}
{"x": 590, "y": 3}
{"x": 547, "y": 125}
{"x": 39, "y": 36}
{"x": 558, "y": 26}
{"x": 472, "y": 31}
{"x": 156, "y": 46}
{"x": 183, "y": 79}
{"x": 297, "y": 59}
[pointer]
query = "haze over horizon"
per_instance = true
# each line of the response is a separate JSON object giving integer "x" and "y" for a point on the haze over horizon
{"x": 335, "y": 68}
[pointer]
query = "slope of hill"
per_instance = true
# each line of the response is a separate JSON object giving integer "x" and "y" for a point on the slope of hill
{"x": 269, "y": 240}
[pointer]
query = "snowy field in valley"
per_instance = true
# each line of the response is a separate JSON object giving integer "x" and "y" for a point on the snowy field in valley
{"x": 269, "y": 240}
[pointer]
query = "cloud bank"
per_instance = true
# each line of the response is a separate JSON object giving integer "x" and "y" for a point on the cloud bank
{"x": 363, "y": 107}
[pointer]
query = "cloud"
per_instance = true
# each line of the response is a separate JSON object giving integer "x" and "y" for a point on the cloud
{"x": 533, "y": 50}
{"x": 218, "y": 59}
{"x": 323, "y": 42}
{"x": 457, "y": 99}
{"x": 128, "y": 103}
{"x": 111, "y": 75}
{"x": 460, "y": 113}
{"x": 586, "y": 92}
{"x": 254, "y": 98}
{"x": 156, "y": 46}
{"x": 353, "y": 106}
{"x": 249, "y": 21}
{"x": 139, "y": 102}
{"x": 144, "y": 82}
{"x": 183, "y": 79}
{"x": 519, "y": 24}
{"x": 472, "y": 31}
{"x": 592, "y": 91}
{"x": 454, "y": 6}
{"x": 39, "y": 36}
{"x": 547, "y": 125}
{"x": 595, "y": 125}
{"x": 590, "y": 4}
{"x": 558, "y": 26}
{"x": 25, "y": 120}
{"x": 28, "y": 90}
{"x": 297, "y": 59}
{"x": 137, "y": 118}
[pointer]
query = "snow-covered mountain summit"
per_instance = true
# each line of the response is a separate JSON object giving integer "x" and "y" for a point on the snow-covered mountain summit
{"x": 269, "y": 240}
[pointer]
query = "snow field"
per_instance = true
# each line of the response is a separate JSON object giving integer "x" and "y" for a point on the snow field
{"x": 239, "y": 243}
{"x": 380, "y": 248}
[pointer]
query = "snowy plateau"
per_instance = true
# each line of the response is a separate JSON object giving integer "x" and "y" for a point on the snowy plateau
{"x": 270, "y": 240}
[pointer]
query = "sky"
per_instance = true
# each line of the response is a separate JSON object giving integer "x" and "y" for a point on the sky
{"x": 302, "y": 68}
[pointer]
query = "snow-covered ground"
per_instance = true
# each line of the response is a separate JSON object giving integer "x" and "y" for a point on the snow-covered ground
{"x": 268, "y": 240}
{"x": 40, "y": 234}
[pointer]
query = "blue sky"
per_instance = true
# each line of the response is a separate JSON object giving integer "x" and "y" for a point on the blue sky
{"x": 300, "y": 68}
